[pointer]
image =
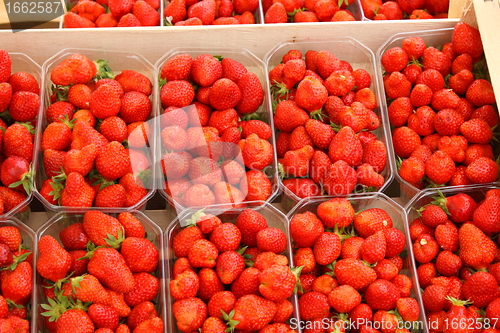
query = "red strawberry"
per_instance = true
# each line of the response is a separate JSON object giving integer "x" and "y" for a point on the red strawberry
{"x": 482, "y": 170}
{"x": 53, "y": 262}
{"x": 313, "y": 305}
{"x": 395, "y": 59}
{"x": 341, "y": 179}
{"x": 146, "y": 14}
{"x": 327, "y": 248}
{"x": 480, "y": 93}
{"x": 252, "y": 94}
{"x": 276, "y": 14}
{"x": 189, "y": 313}
{"x": 354, "y": 273}
{"x": 467, "y": 39}
{"x": 77, "y": 193}
{"x": 471, "y": 257}
{"x": 253, "y": 312}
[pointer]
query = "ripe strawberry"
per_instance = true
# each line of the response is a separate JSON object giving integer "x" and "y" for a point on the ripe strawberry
{"x": 369, "y": 221}
{"x": 467, "y": 39}
{"x": 277, "y": 283}
{"x": 341, "y": 179}
{"x": 471, "y": 257}
{"x": 480, "y": 93}
{"x": 327, "y": 248}
{"x": 247, "y": 283}
{"x": 74, "y": 320}
{"x": 440, "y": 168}
{"x": 354, "y": 273}
{"x": 382, "y": 295}
{"x": 412, "y": 170}
{"x": 289, "y": 115}
{"x": 17, "y": 141}
{"x": 405, "y": 141}
{"x": 131, "y": 80}
{"x": 190, "y": 313}
{"x": 344, "y": 298}
{"x": 367, "y": 176}
{"x": 116, "y": 167}
{"x": 447, "y": 237}
{"x": 397, "y": 85}
{"x": 24, "y": 106}
{"x": 146, "y": 14}
{"x": 481, "y": 288}
{"x": 425, "y": 248}
{"x": 140, "y": 254}
{"x": 135, "y": 107}
{"x": 461, "y": 81}
{"x": 482, "y": 170}
{"x": 252, "y": 94}
{"x": 305, "y": 229}
{"x": 253, "y": 312}
{"x": 146, "y": 288}
{"x": 258, "y": 185}
{"x": 16, "y": 284}
{"x": 108, "y": 265}
{"x": 106, "y": 21}
{"x": 226, "y": 237}
{"x": 73, "y": 237}
{"x": 395, "y": 59}
{"x": 271, "y": 240}
{"x": 53, "y": 262}
{"x": 276, "y": 14}
{"x": 313, "y": 305}
{"x": 346, "y": 146}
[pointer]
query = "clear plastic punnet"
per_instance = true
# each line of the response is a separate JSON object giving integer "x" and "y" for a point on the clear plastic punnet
{"x": 359, "y": 57}
{"x": 140, "y": 141}
{"x": 213, "y": 183}
{"x": 435, "y": 38}
{"x": 29, "y": 242}
{"x": 61, "y": 220}
{"x": 361, "y": 202}
{"x": 22, "y": 62}
{"x": 426, "y": 197}
{"x": 275, "y": 219}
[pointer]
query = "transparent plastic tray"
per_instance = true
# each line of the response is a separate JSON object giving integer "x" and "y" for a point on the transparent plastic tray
{"x": 21, "y": 62}
{"x": 274, "y": 217}
{"x": 434, "y": 38}
{"x": 59, "y": 221}
{"x": 252, "y": 64}
{"x": 118, "y": 61}
{"x": 362, "y": 202}
{"x": 360, "y": 57}
{"x": 425, "y": 197}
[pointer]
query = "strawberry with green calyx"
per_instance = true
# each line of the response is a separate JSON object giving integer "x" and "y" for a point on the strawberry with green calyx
{"x": 460, "y": 206}
{"x": 457, "y": 313}
{"x": 16, "y": 173}
{"x": 55, "y": 307}
{"x": 103, "y": 229}
{"x": 103, "y": 70}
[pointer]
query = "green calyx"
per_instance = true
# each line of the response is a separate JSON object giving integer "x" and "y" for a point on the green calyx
{"x": 56, "y": 307}
{"x": 195, "y": 218}
{"x": 115, "y": 242}
{"x": 440, "y": 201}
{"x": 251, "y": 116}
{"x": 61, "y": 92}
{"x": 228, "y": 318}
{"x": 298, "y": 286}
{"x": 91, "y": 248}
{"x": 17, "y": 261}
{"x": 103, "y": 70}
{"x": 458, "y": 302}
{"x": 317, "y": 115}
{"x": 25, "y": 181}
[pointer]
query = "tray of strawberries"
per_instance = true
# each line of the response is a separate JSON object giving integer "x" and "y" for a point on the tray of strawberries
{"x": 20, "y": 88}
{"x": 441, "y": 109}
{"x": 453, "y": 233}
{"x": 17, "y": 296}
{"x": 330, "y": 135}
{"x": 231, "y": 269}
{"x": 216, "y": 144}
{"x": 96, "y": 132}
{"x": 358, "y": 272}
{"x": 98, "y": 271}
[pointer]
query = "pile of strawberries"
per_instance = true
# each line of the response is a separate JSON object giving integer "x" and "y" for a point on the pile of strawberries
{"x": 210, "y": 12}
{"x": 325, "y": 115}
{"x": 113, "y": 13}
{"x": 303, "y": 11}
{"x": 441, "y": 111}
{"x": 231, "y": 276}
{"x": 351, "y": 267}
{"x": 16, "y": 263}
{"x": 459, "y": 265}
{"x": 211, "y": 153}
{"x": 95, "y": 145}
{"x": 405, "y": 9}
{"x": 19, "y": 104}
{"x": 102, "y": 276}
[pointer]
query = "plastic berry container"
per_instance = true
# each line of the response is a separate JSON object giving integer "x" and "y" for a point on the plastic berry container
{"x": 117, "y": 61}
{"x": 252, "y": 64}
{"x": 434, "y": 38}
{"x": 360, "y": 57}
{"x": 361, "y": 202}
{"x": 275, "y": 219}
{"x": 63, "y": 219}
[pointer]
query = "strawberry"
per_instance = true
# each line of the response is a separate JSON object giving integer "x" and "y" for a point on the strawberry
{"x": 87, "y": 288}
{"x": 480, "y": 93}
{"x": 325, "y": 10}
{"x": 289, "y": 115}
{"x": 106, "y": 21}
{"x": 367, "y": 176}
{"x": 344, "y": 298}
{"x": 5, "y": 66}
{"x": 146, "y": 14}
{"x": 5, "y": 95}
{"x": 16, "y": 285}
{"x": 252, "y": 94}
{"x": 178, "y": 93}
{"x": 213, "y": 324}
{"x": 24, "y": 106}
{"x": 142, "y": 312}
{"x": 221, "y": 301}
{"x": 369, "y": 221}
{"x": 103, "y": 316}
{"x": 447, "y": 237}
{"x": 74, "y": 320}
{"x": 77, "y": 193}
{"x": 17, "y": 141}
{"x": 439, "y": 167}
{"x": 253, "y": 312}
{"x": 146, "y": 288}
{"x": 131, "y": 80}
{"x": 203, "y": 253}
{"x": 205, "y": 11}
{"x": 199, "y": 195}
{"x": 271, "y": 240}
{"x": 481, "y": 288}
{"x": 346, "y": 146}
{"x": 11, "y": 198}
{"x": 467, "y": 39}
{"x": 471, "y": 257}
{"x": 327, "y": 248}
{"x": 405, "y": 141}
{"x": 135, "y": 107}
{"x": 313, "y": 305}
{"x": 73, "y": 237}
{"x": 394, "y": 59}
{"x": 486, "y": 215}
{"x": 209, "y": 284}
{"x": 185, "y": 239}
{"x": 341, "y": 179}
{"x": 296, "y": 162}
{"x": 116, "y": 167}
{"x": 492, "y": 310}
{"x": 99, "y": 227}
{"x": 302, "y": 187}
{"x": 189, "y": 22}
{"x": 108, "y": 265}
{"x": 53, "y": 262}
{"x": 397, "y": 85}
{"x": 73, "y": 70}
{"x": 482, "y": 170}
{"x": 305, "y": 229}
{"x": 190, "y": 313}
{"x": 206, "y": 69}
{"x": 276, "y": 14}
{"x": 258, "y": 186}
{"x": 382, "y": 295}
{"x": 72, "y": 20}
{"x": 247, "y": 283}
{"x": 354, "y": 273}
